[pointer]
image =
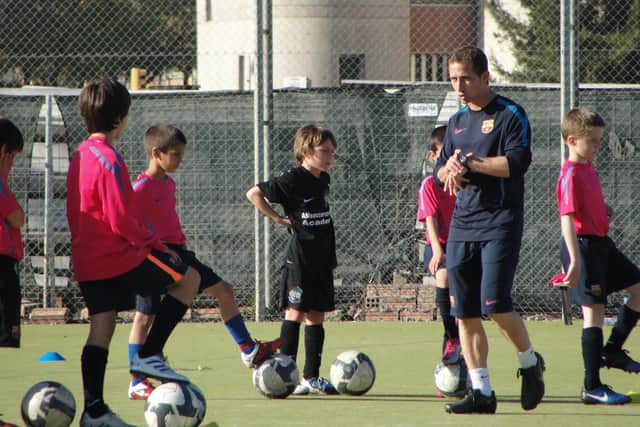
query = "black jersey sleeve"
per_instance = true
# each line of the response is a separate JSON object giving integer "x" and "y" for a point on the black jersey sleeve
{"x": 517, "y": 143}
{"x": 278, "y": 189}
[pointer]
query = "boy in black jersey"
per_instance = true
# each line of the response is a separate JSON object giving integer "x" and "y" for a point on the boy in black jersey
{"x": 307, "y": 280}
{"x": 486, "y": 153}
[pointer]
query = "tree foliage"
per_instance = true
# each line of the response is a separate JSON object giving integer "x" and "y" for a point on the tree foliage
{"x": 66, "y": 42}
{"x": 608, "y": 40}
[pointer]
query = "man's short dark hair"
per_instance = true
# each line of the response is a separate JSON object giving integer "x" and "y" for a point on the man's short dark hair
{"x": 103, "y": 104}
{"x": 473, "y": 56}
{"x": 10, "y": 136}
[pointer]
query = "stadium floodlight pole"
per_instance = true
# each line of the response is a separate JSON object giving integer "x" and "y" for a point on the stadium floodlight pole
{"x": 258, "y": 140}
{"x": 49, "y": 278}
{"x": 267, "y": 56}
{"x": 568, "y": 61}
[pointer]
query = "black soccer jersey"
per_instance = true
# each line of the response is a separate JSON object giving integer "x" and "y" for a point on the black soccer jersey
{"x": 304, "y": 199}
{"x": 489, "y": 207}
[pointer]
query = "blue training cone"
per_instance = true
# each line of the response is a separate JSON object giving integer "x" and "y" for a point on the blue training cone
{"x": 51, "y": 356}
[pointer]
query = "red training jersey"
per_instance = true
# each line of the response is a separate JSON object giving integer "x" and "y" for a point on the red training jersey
{"x": 108, "y": 237}
{"x": 10, "y": 238}
{"x": 579, "y": 193}
{"x": 159, "y": 199}
{"x": 434, "y": 201}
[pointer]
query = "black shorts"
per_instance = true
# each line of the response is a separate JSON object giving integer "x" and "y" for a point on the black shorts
{"x": 481, "y": 276}
{"x": 306, "y": 291}
{"x": 151, "y": 277}
{"x": 428, "y": 254}
{"x": 605, "y": 270}
{"x": 150, "y": 304}
{"x": 9, "y": 302}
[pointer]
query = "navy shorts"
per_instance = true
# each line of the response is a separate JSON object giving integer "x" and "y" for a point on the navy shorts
{"x": 605, "y": 270}
{"x": 10, "y": 297}
{"x": 481, "y": 276}
{"x": 150, "y": 304}
{"x": 428, "y": 254}
{"x": 306, "y": 291}
{"x": 151, "y": 277}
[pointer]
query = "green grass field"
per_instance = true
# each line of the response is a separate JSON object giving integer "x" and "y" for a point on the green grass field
{"x": 405, "y": 355}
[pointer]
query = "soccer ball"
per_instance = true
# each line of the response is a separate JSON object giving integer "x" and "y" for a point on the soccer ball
{"x": 48, "y": 404}
{"x": 352, "y": 373}
{"x": 277, "y": 377}
{"x": 175, "y": 405}
{"x": 452, "y": 380}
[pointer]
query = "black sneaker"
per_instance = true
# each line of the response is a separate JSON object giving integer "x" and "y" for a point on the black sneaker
{"x": 619, "y": 359}
{"x": 532, "y": 384}
{"x": 473, "y": 403}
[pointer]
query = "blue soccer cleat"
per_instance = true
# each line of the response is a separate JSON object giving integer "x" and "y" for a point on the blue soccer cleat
{"x": 314, "y": 386}
{"x": 155, "y": 367}
{"x": 604, "y": 395}
{"x": 619, "y": 359}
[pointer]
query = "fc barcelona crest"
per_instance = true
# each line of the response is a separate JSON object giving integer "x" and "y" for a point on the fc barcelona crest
{"x": 487, "y": 126}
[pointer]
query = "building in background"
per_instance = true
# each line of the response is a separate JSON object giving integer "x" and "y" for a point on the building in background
{"x": 319, "y": 43}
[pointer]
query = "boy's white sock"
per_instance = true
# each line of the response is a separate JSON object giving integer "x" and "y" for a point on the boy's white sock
{"x": 480, "y": 380}
{"x": 527, "y": 358}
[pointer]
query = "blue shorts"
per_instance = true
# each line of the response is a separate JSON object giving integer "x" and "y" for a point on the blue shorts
{"x": 428, "y": 254}
{"x": 604, "y": 270}
{"x": 481, "y": 276}
{"x": 149, "y": 304}
{"x": 150, "y": 278}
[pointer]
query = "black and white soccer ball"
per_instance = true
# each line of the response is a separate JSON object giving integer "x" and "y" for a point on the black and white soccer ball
{"x": 48, "y": 404}
{"x": 175, "y": 405}
{"x": 277, "y": 377}
{"x": 452, "y": 380}
{"x": 352, "y": 372}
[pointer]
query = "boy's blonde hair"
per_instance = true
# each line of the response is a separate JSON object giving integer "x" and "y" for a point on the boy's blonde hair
{"x": 308, "y": 138}
{"x": 163, "y": 137}
{"x": 579, "y": 121}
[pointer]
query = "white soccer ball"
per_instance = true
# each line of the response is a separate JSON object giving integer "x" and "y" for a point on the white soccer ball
{"x": 48, "y": 404}
{"x": 452, "y": 380}
{"x": 175, "y": 405}
{"x": 352, "y": 373}
{"x": 277, "y": 377}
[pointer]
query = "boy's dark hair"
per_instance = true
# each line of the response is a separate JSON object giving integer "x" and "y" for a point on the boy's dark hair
{"x": 578, "y": 121}
{"x": 437, "y": 137}
{"x": 163, "y": 137}
{"x": 471, "y": 55}
{"x": 103, "y": 104}
{"x": 10, "y": 136}
{"x": 308, "y": 137}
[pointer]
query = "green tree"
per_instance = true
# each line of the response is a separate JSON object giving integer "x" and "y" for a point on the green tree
{"x": 608, "y": 40}
{"x": 67, "y": 42}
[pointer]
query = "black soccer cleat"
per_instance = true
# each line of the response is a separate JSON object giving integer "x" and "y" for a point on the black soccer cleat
{"x": 532, "y": 384}
{"x": 619, "y": 359}
{"x": 473, "y": 403}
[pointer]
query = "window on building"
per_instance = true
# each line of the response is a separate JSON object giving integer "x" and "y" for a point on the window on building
{"x": 430, "y": 67}
{"x": 208, "y": 10}
{"x": 352, "y": 67}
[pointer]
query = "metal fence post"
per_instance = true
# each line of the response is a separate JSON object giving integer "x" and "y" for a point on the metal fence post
{"x": 49, "y": 277}
{"x": 267, "y": 38}
{"x": 568, "y": 61}
{"x": 258, "y": 105}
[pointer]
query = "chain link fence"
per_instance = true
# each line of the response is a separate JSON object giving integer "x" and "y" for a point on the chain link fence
{"x": 372, "y": 71}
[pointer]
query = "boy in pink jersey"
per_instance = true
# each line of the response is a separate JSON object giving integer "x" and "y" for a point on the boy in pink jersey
{"x": 435, "y": 207}
{"x": 114, "y": 255}
{"x": 156, "y": 191}
{"x": 11, "y": 220}
{"x": 593, "y": 264}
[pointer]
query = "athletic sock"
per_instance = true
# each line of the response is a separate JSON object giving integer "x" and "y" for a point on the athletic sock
{"x": 170, "y": 313}
{"x": 94, "y": 366}
{"x": 527, "y": 358}
{"x": 238, "y": 331}
{"x": 444, "y": 305}
{"x": 592, "y": 356}
{"x": 627, "y": 319}
{"x": 133, "y": 350}
{"x": 290, "y": 335}
{"x": 313, "y": 343}
{"x": 480, "y": 380}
